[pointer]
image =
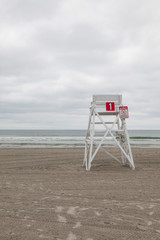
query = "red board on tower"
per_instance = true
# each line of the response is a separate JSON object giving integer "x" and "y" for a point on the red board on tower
{"x": 123, "y": 112}
{"x": 110, "y": 106}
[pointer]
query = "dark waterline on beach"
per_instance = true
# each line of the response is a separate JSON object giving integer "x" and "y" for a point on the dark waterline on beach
{"x": 140, "y": 134}
{"x": 68, "y": 138}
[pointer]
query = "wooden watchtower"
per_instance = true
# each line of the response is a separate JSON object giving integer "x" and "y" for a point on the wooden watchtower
{"x": 108, "y": 112}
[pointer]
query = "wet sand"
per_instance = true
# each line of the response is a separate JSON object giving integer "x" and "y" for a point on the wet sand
{"x": 47, "y": 194}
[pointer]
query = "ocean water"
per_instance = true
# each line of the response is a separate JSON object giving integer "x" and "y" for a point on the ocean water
{"x": 69, "y": 138}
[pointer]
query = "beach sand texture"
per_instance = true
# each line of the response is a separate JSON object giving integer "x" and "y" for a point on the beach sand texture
{"x": 47, "y": 194}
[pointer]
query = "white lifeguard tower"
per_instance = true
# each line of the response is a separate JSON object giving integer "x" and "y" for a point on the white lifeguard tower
{"x": 106, "y": 122}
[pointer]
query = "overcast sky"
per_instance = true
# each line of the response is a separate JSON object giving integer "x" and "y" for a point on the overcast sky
{"x": 55, "y": 54}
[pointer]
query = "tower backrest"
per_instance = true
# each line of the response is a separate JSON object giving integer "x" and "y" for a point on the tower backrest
{"x": 108, "y": 98}
{"x": 100, "y": 101}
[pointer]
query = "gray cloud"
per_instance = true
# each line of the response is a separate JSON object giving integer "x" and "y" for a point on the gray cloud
{"x": 56, "y": 54}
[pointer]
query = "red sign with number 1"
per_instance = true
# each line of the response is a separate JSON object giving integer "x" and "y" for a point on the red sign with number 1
{"x": 110, "y": 106}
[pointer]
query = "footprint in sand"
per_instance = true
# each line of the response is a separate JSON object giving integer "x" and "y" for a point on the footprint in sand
{"x": 71, "y": 236}
{"x": 77, "y": 225}
{"x": 58, "y": 209}
{"x": 149, "y": 223}
{"x": 44, "y": 237}
{"x": 97, "y": 213}
{"x": 151, "y": 206}
{"x": 140, "y": 207}
{"x": 72, "y": 211}
{"x": 84, "y": 209}
{"x": 141, "y": 227}
{"x": 62, "y": 219}
{"x": 151, "y": 213}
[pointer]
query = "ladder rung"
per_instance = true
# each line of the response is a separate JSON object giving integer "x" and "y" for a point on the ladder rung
{"x": 104, "y": 122}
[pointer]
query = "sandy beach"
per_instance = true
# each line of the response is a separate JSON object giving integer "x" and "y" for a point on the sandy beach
{"x": 47, "y": 194}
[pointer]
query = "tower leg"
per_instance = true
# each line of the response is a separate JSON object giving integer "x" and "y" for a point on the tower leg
{"x": 91, "y": 140}
{"x": 124, "y": 141}
{"x": 85, "y": 155}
